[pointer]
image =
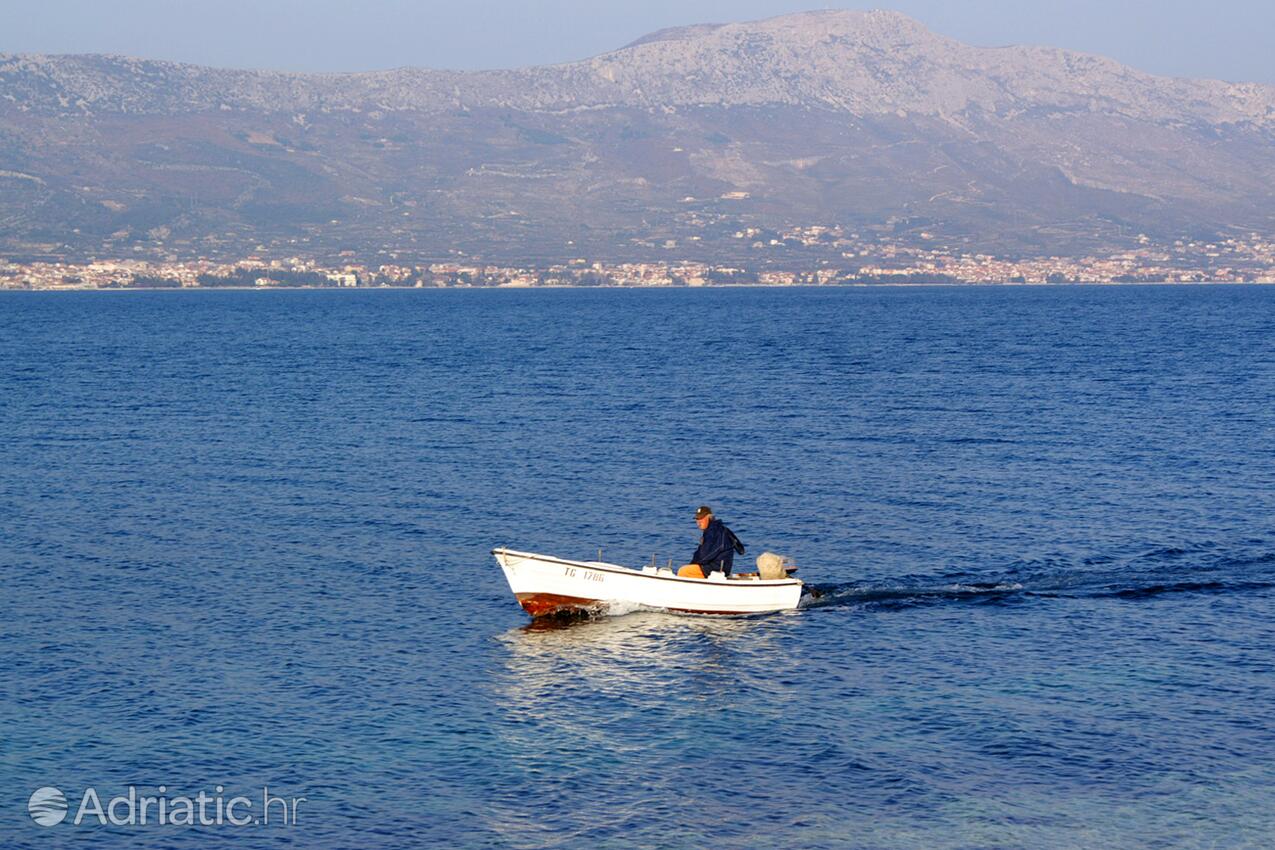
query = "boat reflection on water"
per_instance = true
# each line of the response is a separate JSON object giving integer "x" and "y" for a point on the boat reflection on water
{"x": 638, "y": 651}
{"x": 641, "y": 702}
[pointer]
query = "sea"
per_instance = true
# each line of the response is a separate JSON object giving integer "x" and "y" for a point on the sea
{"x": 245, "y": 549}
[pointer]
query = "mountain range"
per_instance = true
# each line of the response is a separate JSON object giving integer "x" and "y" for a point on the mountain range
{"x": 672, "y": 145}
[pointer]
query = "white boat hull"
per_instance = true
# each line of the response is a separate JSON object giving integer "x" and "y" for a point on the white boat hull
{"x": 547, "y": 586}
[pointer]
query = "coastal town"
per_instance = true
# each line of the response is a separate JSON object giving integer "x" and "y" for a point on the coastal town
{"x": 836, "y": 258}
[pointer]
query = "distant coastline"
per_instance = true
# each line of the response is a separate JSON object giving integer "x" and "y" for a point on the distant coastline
{"x": 631, "y": 287}
{"x": 1230, "y": 262}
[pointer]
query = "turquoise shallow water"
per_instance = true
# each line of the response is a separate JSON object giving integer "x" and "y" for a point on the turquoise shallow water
{"x": 246, "y": 543}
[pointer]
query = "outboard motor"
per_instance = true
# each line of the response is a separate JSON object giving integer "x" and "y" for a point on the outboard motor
{"x": 771, "y": 566}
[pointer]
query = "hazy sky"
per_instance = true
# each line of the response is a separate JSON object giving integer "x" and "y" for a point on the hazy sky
{"x": 1228, "y": 39}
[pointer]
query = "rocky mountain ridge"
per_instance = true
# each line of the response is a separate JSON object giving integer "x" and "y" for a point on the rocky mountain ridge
{"x": 859, "y": 62}
{"x": 684, "y": 137}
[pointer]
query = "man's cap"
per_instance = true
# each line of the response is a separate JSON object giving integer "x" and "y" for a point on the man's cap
{"x": 704, "y": 510}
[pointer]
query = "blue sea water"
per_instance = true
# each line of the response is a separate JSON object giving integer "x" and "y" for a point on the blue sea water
{"x": 245, "y": 542}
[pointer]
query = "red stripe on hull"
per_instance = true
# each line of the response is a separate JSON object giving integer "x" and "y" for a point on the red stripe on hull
{"x": 555, "y": 604}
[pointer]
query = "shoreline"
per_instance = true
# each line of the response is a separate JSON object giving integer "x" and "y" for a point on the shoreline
{"x": 614, "y": 287}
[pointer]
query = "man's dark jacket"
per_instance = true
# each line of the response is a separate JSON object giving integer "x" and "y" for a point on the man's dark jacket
{"x": 716, "y": 548}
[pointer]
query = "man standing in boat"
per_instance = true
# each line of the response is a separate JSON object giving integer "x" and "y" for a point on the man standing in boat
{"x": 717, "y": 547}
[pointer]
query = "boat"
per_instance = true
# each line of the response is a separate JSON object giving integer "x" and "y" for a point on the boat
{"x": 546, "y": 586}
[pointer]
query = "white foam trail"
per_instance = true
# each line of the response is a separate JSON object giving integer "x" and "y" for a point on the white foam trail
{"x": 974, "y": 588}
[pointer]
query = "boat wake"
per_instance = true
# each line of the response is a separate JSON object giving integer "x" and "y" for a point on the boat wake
{"x": 903, "y": 596}
{"x": 1202, "y": 569}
